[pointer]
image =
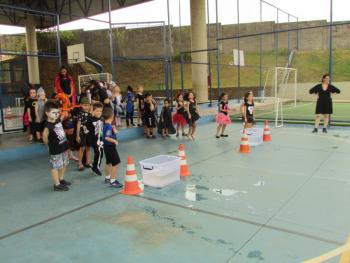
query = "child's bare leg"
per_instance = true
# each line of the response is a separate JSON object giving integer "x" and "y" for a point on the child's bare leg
{"x": 87, "y": 155}
{"x": 55, "y": 176}
{"x": 218, "y": 129}
{"x": 114, "y": 172}
{"x": 163, "y": 132}
{"x": 223, "y": 129}
{"x": 38, "y": 135}
{"x": 148, "y": 132}
{"x": 166, "y": 132}
{"x": 178, "y": 129}
{"x": 194, "y": 126}
{"x": 108, "y": 170}
{"x": 80, "y": 156}
{"x": 61, "y": 173}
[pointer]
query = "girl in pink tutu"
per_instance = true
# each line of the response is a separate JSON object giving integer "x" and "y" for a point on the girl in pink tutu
{"x": 179, "y": 119}
{"x": 223, "y": 118}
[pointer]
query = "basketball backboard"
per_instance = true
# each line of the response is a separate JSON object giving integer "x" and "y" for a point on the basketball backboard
{"x": 238, "y": 57}
{"x": 76, "y": 54}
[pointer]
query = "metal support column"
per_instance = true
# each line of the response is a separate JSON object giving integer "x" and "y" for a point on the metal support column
{"x": 276, "y": 40}
{"x": 209, "y": 58}
{"x": 239, "y": 57}
{"x": 182, "y": 74}
{"x": 58, "y": 40}
{"x": 170, "y": 71}
{"x": 260, "y": 54}
{"x": 217, "y": 47}
{"x": 111, "y": 40}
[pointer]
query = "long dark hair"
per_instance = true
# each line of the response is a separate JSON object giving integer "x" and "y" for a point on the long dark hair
{"x": 221, "y": 96}
{"x": 325, "y": 76}
{"x": 63, "y": 67}
{"x": 187, "y": 96}
{"x": 246, "y": 95}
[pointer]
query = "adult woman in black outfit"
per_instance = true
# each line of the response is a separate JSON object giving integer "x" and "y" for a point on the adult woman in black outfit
{"x": 324, "y": 102}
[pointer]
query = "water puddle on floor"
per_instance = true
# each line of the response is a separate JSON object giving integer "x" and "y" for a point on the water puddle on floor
{"x": 228, "y": 192}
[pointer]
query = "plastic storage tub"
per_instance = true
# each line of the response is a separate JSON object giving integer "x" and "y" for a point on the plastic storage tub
{"x": 160, "y": 171}
{"x": 255, "y": 136}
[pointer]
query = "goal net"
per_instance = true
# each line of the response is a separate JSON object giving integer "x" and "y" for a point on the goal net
{"x": 85, "y": 79}
{"x": 280, "y": 92}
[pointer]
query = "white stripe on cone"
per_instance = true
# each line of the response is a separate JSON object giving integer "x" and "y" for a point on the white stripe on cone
{"x": 183, "y": 162}
{"x": 130, "y": 167}
{"x": 244, "y": 143}
{"x": 181, "y": 153}
{"x": 130, "y": 178}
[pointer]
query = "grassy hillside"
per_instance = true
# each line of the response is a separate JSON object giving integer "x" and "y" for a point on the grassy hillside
{"x": 310, "y": 65}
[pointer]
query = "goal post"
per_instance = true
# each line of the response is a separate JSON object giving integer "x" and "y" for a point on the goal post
{"x": 281, "y": 89}
{"x": 85, "y": 79}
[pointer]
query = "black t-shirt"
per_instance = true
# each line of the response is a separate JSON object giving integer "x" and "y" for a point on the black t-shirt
{"x": 141, "y": 101}
{"x": 249, "y": 109}
{"x": 30, "y": 104}
{"x": 57, "y": 137}
{"x": 100, "y": 94}
{"x": 223, "y": 106}
{"x": 65, "y": 85}
{"x": 84, "y": 118}
{"x": 147, "y": 108}
{"x": 95, "y": 127}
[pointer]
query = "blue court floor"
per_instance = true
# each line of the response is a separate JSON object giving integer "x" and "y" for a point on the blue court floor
{"x": 285, "y": 202}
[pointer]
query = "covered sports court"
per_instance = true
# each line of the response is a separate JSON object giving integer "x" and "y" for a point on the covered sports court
{"x": 284, "y": 202}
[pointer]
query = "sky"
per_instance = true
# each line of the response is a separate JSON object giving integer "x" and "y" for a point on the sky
{"x": 156, "y": 10}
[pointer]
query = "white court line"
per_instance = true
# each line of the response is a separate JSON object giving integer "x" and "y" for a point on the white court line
{"x": 323, "y": 136}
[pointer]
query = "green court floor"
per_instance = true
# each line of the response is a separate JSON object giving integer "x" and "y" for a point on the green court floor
{"x": 305, "y": 112}
{"x": 284, "y": 202}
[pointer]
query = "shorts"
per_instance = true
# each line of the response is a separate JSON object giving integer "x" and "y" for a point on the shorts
{"x": 34, "y": 127}
{"x": 59, "y": 161}
{"x": 111, "y": 154}
{"x": 150, "y": 121}
{"x": 86, "y": 140}
{"x": 250, "y": 119}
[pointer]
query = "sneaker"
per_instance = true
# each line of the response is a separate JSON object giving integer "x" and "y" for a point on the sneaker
{"x": 168, "y": 135}
{"x": 107, "y": 180}
{"x": 324, "y": 130}
{"x": 154, "y": 137}
{"x": 64, "y": 182}
{"x": 116, "y": 184}
{"x": 224, "y": 135}
{"x": 60, "y": 188}
{"x": 89, "y": 165}
{"x": 177, "y": 135}
{"x": 96, "y": 171}
{"x": 40, "y": 141}
{"x": 81, "y": 168}
{"x": 217, "y": 137}
{"x": 315, "y": 130}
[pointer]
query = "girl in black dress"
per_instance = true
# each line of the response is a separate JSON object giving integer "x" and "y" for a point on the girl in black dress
{"x": 248, "y": 110}
{"x": 165, "y": 122}
{"x": 193, "y": 115}
{"x": 150, "y": 115}
{"x": 179, "y": 118}
{"x": 324, "y": 102}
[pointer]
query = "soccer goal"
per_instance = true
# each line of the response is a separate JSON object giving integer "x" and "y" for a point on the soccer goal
{"x": 280, "y": 91}
{"x": 85, "y": 79}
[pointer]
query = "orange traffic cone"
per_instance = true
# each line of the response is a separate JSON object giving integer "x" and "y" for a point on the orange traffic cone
{"x": 131, "y": 184}
{"x": 244, "y": 148}
{"x": 267, "y": 132}
{"x": 183, "y": 163}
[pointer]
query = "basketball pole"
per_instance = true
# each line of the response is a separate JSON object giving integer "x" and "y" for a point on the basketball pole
{"x": 111, "y": 40}
{"x": 330, "y": 50}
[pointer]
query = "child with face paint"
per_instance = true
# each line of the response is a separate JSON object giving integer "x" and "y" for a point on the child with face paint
{"x": 55, "y": 137}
